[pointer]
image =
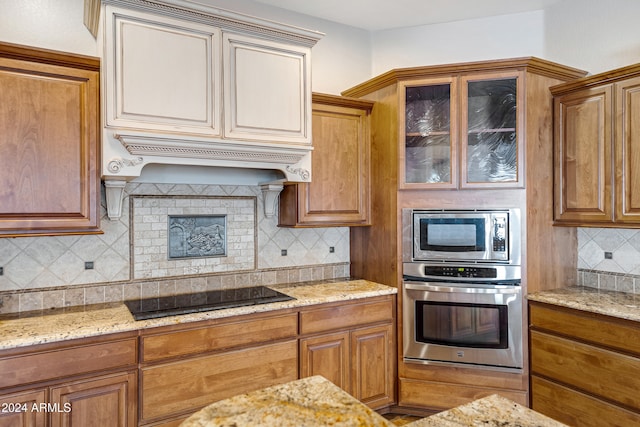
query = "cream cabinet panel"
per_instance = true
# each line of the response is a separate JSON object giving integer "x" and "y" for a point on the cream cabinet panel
{"x": 165, "y": 74}
{"x": 267, "y": 90}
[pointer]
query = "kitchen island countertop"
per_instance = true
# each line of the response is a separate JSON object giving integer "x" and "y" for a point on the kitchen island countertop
{"x": 316, "y": 402}
{"x": 493, "y": 410}
{"x": 309, "y": 402}
{"x": 101, "y": 319}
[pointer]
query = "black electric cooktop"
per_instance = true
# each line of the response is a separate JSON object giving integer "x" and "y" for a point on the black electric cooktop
{"x": 151, "y": 308}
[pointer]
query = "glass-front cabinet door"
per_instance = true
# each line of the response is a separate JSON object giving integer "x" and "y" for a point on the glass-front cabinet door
{"x": 490, "y": 148}
{"x": 428, "y": 157}
{"x": 461, "y": 132}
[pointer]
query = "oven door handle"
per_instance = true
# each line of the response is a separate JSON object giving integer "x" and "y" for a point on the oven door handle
{"x": 463, "y": 288}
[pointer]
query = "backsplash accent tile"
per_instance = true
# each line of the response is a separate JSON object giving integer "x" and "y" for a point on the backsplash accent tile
{"x": 624, "y": 245}
{"x": 150, "y": 237}
{"x": 43, "y": 272}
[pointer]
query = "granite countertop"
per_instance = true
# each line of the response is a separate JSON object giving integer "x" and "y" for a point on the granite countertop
{"x": 609, "y": 303}
{"x": 316, "y": 402}
{"x": 493, "y": 410}
{"x": 81, "y": 322}
{"x": 308, "y": 402}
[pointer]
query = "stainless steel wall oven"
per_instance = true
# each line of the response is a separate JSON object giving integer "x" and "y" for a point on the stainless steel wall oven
{"x": 462, "y": 310}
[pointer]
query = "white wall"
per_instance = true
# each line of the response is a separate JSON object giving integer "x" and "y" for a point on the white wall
{"x": 593, "y": 35}
{"x": 340, "y": 59}
{"x": 505, "y": 36}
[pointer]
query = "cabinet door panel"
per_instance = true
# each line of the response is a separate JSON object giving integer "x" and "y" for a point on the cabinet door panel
{"x": 166, "y": 74}
{"x": 267, "y": 90}
{"x": 19, "y": 411}
{"x": 372, "y": 365}
{"x": 628, "y": 151}
{"x": 428, "y": 123}
{"x": 104, "y": 402}
{"x": 583, "y": 156}
{"x": 326, "y": 355}
{"x": 491, "y": 131}
{"x": 49, "y": 142}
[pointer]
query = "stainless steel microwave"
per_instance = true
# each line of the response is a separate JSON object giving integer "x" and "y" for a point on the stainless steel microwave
{"x": 491, "y": 236}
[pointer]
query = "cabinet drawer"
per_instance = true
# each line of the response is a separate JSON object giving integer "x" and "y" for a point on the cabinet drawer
{"x": 185, "y": 386}
{"x": 443, "y": 396}
{"x": 59, "y": 363}
{"x": 194, "y": 341}
{"x": 577, "y": 409}
{"x": 591, "y": 369}
{"x": 588, "y": 327}
{"x": 345, "y": 316}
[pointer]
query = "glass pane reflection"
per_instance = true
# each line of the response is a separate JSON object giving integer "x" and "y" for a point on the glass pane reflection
{"x": 427, "y": 131}
{"x": 491, "y": 140}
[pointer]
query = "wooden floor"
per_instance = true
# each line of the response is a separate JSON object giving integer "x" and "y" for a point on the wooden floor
{"x": 401, "y": 419}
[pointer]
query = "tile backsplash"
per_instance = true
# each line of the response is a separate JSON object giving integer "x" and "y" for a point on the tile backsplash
{"x": 609, "y": 258}
{"x": 47, "y": 272}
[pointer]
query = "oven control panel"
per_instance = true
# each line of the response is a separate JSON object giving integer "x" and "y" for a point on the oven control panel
{"x": 458, "y": 271}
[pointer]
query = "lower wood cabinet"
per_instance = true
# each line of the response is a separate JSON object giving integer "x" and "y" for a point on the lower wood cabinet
{"x": 158, "y": 377}
{"x": 360, "y": 360}
{"x": 585, "y": 368}
{"x": 15, "y": 409}
{"x": 103, "y": 401}
{"x": 89, "y": 382}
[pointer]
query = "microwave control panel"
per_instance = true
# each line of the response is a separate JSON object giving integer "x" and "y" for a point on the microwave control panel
{"x": 499, "y": 234}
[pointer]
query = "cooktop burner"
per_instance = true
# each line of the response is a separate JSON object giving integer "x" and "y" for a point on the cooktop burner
{"x": 151, "y": 308}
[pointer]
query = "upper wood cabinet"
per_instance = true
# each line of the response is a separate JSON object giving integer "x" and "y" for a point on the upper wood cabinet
{"x": 339, "y": 192}
{"x": 596, "y": 144}
{"x": 462, "y": 131}
{"x": 49, "y": 140}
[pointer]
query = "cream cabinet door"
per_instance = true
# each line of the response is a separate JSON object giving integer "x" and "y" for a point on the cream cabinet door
{"x": 163, "y": 74}
{"x": 267, "y": 90}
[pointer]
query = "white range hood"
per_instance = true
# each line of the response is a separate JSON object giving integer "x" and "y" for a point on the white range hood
{"x": 187, "y": 84}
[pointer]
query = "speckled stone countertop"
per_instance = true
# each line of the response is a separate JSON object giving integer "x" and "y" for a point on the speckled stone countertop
{"x": 610, "y": 303}
{"x": 490, "y": 411}
{"x": 82, "y": 322}
{"x": 308, "y": 402}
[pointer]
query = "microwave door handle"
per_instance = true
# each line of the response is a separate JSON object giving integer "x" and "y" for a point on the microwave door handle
{"x": 466, "y": 288}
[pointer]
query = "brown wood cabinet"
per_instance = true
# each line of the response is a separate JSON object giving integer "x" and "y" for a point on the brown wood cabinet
{"x": 462, "y": 131}
{"x": 548, "y": 253}
{"x": 338, "y": 194}
{"x": 588, "y": 362}
{"x": 84, "y": 382}
{"x": 597, "y": 149}
{"x": 49, "y": 139}
{"x": 353, "y": 346}
{"x": 160, "y": 376}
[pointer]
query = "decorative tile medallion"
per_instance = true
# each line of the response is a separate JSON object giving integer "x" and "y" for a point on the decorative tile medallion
{"x": 197, "y": 236}
{"x": 183, "y": 235}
